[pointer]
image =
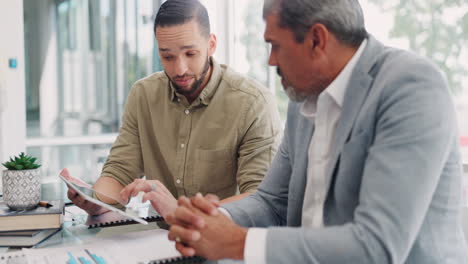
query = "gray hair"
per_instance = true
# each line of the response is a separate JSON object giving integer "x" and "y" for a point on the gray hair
{"x": 343, "y": 18}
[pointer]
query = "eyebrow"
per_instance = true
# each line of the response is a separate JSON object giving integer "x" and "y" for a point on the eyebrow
{"x": 181, "y": 48}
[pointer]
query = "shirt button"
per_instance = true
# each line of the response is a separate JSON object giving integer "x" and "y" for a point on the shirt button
{"x": 182, "y": 145}
{"x": 178, "y": 100}
{"x": 187, "y": 111}
{"x": 178, "y": 181}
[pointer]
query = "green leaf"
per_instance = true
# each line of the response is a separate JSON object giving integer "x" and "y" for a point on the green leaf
{"x": 21, "y": 162}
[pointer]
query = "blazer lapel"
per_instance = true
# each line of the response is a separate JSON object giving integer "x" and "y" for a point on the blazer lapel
{"x": 299, "y": 180}
{"x": 355, "y": 95}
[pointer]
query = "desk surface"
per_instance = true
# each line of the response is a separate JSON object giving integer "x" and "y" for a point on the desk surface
{"x": 77, "y": 232}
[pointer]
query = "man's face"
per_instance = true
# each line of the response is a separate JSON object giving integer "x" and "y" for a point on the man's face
{"x": 185, "y": 54}
{"x": 296, "y": 65}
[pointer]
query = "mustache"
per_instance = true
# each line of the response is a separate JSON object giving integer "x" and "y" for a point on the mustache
{"x": 185, "y": 76}
{"x": 278, "y": 71}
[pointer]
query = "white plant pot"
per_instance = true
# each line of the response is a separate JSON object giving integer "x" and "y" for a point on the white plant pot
{"x": 21, "y": 188}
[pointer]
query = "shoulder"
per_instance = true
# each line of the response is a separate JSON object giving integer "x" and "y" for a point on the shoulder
{"x": 153, "y": 81}
{"x": 152, "y": 88}
{"x": 407, "y": 67}
{"x": 244, "y": 86}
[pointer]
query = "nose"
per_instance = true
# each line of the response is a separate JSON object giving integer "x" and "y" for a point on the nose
{"x": 180, "y": 67}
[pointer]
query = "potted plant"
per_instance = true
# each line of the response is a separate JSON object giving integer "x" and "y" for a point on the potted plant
{"x": 21, "y": 182}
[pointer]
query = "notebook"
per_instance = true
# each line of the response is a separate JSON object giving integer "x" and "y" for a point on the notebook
{"x": 38, "y": 218}
{"x": 115, "y": 219}
{"x": 16, "y": 257}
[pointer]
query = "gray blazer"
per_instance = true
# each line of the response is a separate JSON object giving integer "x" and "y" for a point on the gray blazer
{"x": 395, "y": 187}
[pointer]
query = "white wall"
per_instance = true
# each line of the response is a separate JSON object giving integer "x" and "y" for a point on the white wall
{"x": 12, "y": 98}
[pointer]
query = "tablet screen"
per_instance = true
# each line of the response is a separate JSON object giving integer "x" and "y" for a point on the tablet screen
{"x": 88, "y": 193}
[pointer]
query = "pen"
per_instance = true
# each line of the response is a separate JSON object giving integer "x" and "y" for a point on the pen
{"x": 44, "y": 204}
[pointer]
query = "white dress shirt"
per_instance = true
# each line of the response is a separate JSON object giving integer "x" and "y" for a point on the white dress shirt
{"x": 324, "y": 111}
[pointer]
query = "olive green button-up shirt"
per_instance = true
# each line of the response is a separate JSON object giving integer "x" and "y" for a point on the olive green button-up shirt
{"x": 225, "y": 139}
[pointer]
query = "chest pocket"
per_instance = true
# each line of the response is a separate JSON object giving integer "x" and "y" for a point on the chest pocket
{"x": 214, "y": 170}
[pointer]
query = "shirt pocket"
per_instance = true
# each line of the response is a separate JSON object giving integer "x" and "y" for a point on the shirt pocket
{"x": 214, "y": 169}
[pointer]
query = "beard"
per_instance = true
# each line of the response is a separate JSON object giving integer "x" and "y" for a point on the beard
{"x": 196, "y": 84}
{"x": 292, "y": 94}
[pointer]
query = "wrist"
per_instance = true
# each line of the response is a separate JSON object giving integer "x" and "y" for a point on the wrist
{"x": 238, "y": 244}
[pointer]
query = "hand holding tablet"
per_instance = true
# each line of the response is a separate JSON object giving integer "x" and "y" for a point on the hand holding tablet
{"x": 88, "y": 193}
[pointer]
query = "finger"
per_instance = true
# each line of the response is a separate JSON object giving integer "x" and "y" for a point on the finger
{"x": 170, "y": 219}
{"x": 185, "y": 250}
{"x": 151, "y": 196}
{"x": 184, "y": 234}
{"x": 184, "y": 201}
{"x": 79, "y": 200}
{"x": 71, "y": 194}
{"x": 142, "y": 186}
{"x": 188, "y": 217}
{"x": 213, "y": 199}
{"x": 127, "y": 190}
{"x": 204, "y": 205}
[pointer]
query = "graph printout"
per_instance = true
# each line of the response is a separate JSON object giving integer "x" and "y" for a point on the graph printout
{"x": 144, "y": 246}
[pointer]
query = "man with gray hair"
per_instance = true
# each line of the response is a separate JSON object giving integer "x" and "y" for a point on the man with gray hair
{"x": 369, "y": 169}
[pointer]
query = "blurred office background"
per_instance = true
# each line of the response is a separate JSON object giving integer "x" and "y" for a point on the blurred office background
{"x": 66, "y": 66}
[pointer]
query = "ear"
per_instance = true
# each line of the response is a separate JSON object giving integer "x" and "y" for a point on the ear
{"x": 212, "y": 45}
{"x": 317, "y": 39}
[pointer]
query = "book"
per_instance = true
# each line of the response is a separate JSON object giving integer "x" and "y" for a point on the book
{"x": 34, "y": 219}
{"x": 27, "y": 241}
{"x": 26, "y": 233}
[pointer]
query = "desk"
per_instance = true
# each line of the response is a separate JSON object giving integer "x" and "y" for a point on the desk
{"x": 76, "y": 233}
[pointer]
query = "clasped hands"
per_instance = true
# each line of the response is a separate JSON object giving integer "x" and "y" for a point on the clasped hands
{"x": 199, "y": 228}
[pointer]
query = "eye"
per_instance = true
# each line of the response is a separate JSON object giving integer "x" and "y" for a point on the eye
{"x": 168, "y": 57}
{"x": 191, "y": 53}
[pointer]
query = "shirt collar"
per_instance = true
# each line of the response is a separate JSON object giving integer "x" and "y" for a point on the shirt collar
{"x": 337, "y": 88}
{"x": 210, "y": 88}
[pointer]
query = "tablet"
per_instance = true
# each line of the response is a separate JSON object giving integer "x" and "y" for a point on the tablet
{"x": 88, "y": 193}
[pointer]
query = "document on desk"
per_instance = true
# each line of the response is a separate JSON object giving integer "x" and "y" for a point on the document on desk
{"x": 145, "y": 246}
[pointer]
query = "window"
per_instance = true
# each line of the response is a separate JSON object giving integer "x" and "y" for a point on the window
{"x": 82, "y": 58}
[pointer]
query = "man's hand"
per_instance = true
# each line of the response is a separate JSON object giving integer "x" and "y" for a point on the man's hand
{"x": 89, "y": 207}
{"x": 199, "y": 228}
{"x": 160, "y": 197}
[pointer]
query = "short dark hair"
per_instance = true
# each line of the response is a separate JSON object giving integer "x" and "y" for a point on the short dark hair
{"x": 177, "y": 12}
{"x": 343, "y": 18}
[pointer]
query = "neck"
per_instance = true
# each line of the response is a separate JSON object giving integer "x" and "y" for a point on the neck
{"x": 344, "y": 55}
{"x": 191, "y": 97}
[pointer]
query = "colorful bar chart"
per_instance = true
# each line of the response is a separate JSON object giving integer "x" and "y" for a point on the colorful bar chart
{"x": 93, "y": 258}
